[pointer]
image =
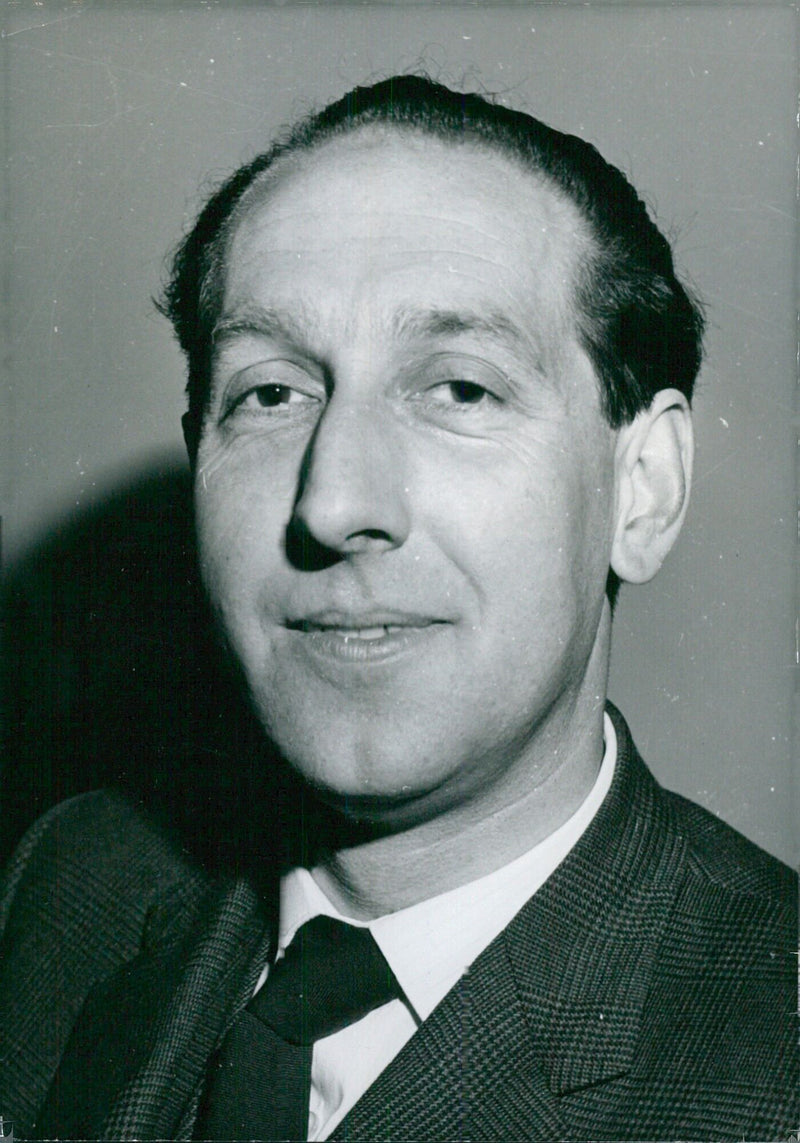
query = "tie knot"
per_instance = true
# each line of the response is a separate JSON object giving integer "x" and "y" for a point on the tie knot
{"x": 331, "y": 975}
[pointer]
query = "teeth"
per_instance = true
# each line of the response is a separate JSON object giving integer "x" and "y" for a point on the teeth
{"x": 366, "y": 633}
{"x": 379, "y": 631}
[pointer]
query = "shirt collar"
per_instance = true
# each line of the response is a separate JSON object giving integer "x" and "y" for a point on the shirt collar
{"x": 429, "y": 945}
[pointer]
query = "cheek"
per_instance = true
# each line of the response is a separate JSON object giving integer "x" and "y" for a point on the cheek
{"x": 528, "y": 527}
{"x": 243, "y": 497}
{"x": 501, "y": 499}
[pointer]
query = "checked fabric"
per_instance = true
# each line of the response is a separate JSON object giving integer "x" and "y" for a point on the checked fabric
{"x": 259, "y": 1082}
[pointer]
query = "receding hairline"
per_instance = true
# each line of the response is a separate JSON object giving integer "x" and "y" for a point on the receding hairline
{"x": 378, "y": 133}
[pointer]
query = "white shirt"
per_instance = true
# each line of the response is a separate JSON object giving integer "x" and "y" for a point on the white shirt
{"x": 428, "y": 946}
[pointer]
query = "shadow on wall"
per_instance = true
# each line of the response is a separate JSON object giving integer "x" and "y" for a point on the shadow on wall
{"x": 112, "y": 676}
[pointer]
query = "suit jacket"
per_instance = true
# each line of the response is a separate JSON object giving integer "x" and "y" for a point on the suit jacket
{"x": 647, "y": 990}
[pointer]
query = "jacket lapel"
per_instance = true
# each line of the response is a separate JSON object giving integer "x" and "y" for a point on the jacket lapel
{"x": 584, "y": 949}
{"x": 137, "y": 1056}
{"x": 554, "y": 1004}
{"x": 461, "y": 1074}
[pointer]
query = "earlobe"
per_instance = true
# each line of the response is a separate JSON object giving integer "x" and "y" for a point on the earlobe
{"x": 653, "y": 477}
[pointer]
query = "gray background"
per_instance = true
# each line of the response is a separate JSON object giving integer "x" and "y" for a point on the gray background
{"x": 116, "y": 120}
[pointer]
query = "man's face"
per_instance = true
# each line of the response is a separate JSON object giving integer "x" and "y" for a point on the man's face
{"x": 404, "y": 484}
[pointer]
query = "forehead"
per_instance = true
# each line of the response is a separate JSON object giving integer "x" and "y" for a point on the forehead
{"x": 381, "y": 223}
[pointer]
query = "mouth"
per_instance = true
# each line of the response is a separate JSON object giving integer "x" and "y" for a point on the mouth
{"x": 363, "y": 637}
{"x": 367, "y": 624}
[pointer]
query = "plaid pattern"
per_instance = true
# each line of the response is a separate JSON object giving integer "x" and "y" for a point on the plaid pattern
{"x": 646, "y": 992}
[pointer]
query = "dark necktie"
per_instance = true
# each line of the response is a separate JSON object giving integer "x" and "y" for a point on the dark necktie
{"x": 259, "y": 1082}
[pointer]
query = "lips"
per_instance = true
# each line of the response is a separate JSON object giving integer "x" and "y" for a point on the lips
{"x": 363, "y": 637}
{"x": 363, "y": 625}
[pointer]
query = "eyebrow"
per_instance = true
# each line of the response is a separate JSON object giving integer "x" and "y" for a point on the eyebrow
{"x": 266, "y": 321}
{"x": 494, "y": 324}
{"x": 408, "y": 323}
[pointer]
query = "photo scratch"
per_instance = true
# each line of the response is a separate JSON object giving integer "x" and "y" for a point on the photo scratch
{"x": 38, "y": 27}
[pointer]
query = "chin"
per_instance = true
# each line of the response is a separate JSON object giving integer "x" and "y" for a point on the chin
{"x": 362, "y": 785}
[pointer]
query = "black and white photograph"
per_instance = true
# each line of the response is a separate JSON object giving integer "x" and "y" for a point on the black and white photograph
{"x": 400, "y": 641}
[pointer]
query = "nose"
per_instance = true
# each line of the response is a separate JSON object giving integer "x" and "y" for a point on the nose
{"x": 353, "y": 495}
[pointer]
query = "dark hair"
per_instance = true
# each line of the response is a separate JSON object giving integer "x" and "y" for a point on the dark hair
{"x": 636, "y": 322}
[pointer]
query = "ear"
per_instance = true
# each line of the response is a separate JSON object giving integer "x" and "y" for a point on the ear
{"x": 653, "y": 468}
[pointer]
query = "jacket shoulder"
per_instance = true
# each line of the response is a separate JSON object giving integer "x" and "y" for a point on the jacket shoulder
{"x": 721, "y": 856}
{"x": 721, "y": 1008}
{"x": 714, "y": 989}
{"x": 96, "y": 852}
{"x": 92, "y": 884}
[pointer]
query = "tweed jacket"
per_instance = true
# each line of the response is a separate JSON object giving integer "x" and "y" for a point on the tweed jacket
{"x": 646, "y": 992}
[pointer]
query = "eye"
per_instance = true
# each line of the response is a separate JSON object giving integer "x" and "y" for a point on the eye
{"x": 459, "y": 392}
{"x": 456, "y": 382}
{"x": 270, "y": 396}
{"x": 272, "y": 388}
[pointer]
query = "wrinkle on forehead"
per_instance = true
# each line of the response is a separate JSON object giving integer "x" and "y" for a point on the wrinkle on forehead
{"x": 389, "y": 151}
{"x": 407, "y": 323}
{"x": 506, "y": 230}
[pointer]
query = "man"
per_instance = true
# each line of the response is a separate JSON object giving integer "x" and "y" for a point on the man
{"x": 439, "y": 379}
